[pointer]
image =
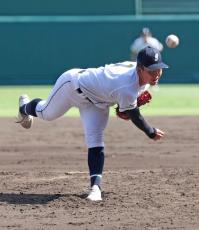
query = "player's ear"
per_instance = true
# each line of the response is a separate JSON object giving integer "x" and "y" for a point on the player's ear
{"x": 140, "y": 68}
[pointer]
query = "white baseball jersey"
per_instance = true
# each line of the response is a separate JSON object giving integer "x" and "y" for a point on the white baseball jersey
{"x": 114, "y": 83}
{"x": 103, "y": 86}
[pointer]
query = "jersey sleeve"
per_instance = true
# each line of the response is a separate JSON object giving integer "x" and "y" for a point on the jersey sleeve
{"x": 127, "y": 102}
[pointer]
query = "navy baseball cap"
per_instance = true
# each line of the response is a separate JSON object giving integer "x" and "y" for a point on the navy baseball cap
{"x": 151, "y": 58}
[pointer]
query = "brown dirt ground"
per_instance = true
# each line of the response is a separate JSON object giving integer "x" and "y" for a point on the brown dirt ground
{"x": 147, "y": 184}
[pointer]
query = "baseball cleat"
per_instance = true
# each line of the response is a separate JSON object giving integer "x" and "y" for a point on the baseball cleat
{"x": 95, "y": 194}
{"x": 24, "y": 120}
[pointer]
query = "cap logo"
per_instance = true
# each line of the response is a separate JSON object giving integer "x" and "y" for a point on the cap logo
{"x": 156, "y": 57}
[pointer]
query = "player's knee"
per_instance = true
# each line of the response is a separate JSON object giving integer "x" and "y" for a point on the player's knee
{"x": 46, "y": 116}
{"x": 49, "y": 117}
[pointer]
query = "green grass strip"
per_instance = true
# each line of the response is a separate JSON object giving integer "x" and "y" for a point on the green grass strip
{"x": 167, "y": 100}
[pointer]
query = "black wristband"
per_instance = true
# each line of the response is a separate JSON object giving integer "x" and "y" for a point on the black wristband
{"x": 152, "y": 135}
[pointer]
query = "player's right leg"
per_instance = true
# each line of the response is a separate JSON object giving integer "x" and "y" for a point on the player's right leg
{"x": 95, "y": 121}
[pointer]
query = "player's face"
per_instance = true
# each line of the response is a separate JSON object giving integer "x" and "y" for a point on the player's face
{"x": 151, "y": 76}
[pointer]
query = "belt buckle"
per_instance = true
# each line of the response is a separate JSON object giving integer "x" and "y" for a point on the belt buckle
{"x": 79, "y": 90}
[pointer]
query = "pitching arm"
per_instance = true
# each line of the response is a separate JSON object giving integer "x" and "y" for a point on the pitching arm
{"x": 142, "y": 124}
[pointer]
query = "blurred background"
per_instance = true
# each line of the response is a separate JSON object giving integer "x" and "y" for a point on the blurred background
{"x": 40, "y": 39}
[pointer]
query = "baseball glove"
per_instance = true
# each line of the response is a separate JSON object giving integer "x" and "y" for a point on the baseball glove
{"x": 144, "y": 98}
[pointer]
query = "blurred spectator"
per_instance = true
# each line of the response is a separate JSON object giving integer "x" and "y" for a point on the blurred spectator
{"x": 144, "y": 40}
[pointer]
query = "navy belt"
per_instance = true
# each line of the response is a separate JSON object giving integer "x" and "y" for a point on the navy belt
{"x": 80, "y": 92}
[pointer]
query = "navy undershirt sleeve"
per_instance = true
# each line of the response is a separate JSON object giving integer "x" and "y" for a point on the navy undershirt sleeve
{"x": 140, "y": 122}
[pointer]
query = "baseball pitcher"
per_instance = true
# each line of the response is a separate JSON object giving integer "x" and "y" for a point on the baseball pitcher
{"x": 93, "y": 91}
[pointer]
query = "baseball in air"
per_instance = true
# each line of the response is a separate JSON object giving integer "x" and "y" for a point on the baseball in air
{"x": 172, "y": 41}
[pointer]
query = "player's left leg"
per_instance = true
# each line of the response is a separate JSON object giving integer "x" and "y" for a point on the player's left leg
{"x": 95, "y": 121}
{"x": 24, "y": 118}
{"x": 62, "y": 97}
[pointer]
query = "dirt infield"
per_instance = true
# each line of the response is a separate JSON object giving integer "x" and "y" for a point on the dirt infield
{"x": 147, "y": 184}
